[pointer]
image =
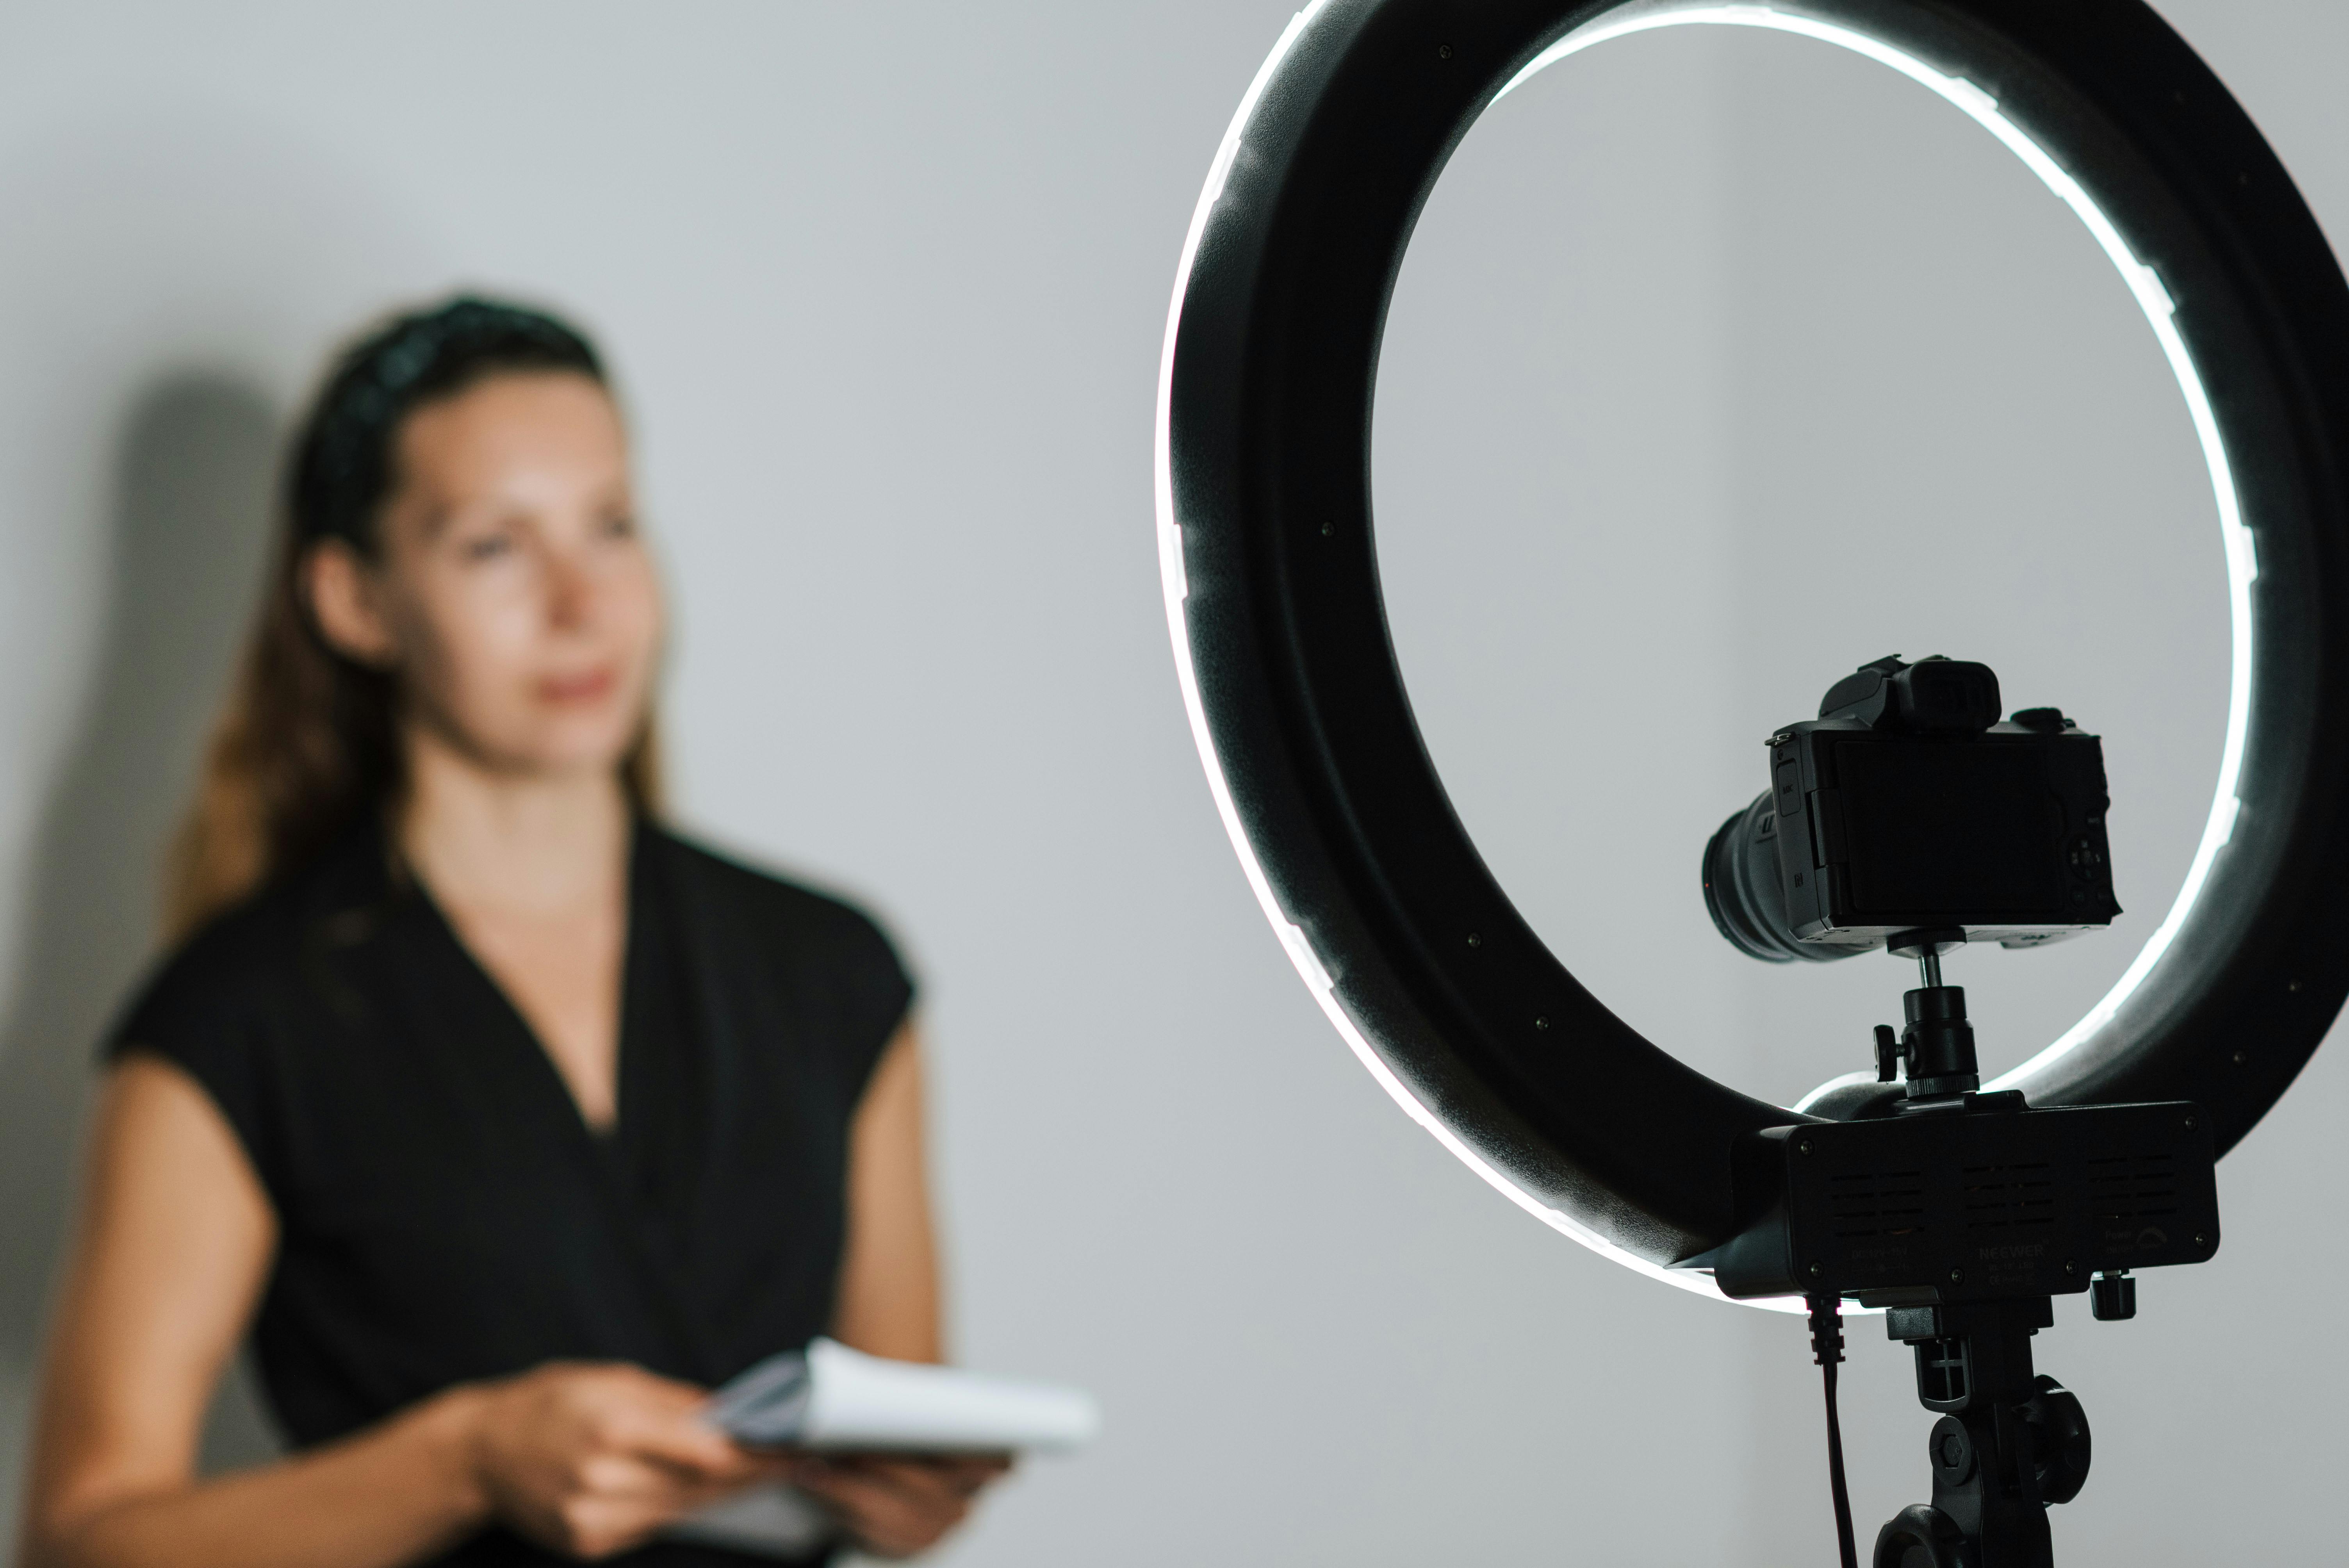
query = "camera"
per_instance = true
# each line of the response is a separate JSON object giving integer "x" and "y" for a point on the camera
{"x": 1907, "y": 806}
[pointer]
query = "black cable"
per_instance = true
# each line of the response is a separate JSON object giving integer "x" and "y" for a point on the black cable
{"x": 1826, "y": 1349}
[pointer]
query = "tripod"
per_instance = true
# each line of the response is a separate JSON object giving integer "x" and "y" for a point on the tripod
{"x": 2008, "y": 1442}
{"x": 1963, "y": 1214}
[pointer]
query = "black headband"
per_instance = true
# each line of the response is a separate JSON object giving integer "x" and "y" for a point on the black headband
{"x": 342, "y": 468}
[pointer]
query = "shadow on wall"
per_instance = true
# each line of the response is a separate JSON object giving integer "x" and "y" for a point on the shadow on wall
{"x": 194, "y": 484}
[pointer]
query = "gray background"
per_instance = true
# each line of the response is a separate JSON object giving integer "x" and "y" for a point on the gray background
{"x": 1721, "y": 363}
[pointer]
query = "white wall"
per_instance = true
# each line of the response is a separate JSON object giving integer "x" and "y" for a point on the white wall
{"x": 1720, "y": 365}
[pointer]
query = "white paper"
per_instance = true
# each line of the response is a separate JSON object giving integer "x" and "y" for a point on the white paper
{"x": 766, "y": 1521}
{"x": 842, "y": 1400}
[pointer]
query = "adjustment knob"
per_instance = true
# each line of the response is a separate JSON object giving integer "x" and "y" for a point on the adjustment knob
{"x": 1887, "y": 1055}
{"x": 2112, "y": 1296}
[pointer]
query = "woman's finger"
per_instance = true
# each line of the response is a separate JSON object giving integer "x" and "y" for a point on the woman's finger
{"x": 925, "y": 1479}
{"x": 681, "y": 1440}
{"x": 889, "y": 1513}
{"x": 959, "y": 1475}
{"x": 635, "y": 1481}
{"x": 970, "y": 1473}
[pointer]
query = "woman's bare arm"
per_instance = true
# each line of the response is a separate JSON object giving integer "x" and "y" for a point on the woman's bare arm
{"x": 889, "y": 1307}
{"x": 174, "y": 1247}
{"x": 889, "y": 1271}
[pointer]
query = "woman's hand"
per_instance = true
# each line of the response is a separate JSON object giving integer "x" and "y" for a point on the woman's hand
{"x": 591, "y": 1459}
{"x": 895, "y": 1506}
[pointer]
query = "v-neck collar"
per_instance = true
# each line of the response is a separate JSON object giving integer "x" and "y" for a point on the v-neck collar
{"x": 618, "y": 1160}
{"x": 634, "y": 944}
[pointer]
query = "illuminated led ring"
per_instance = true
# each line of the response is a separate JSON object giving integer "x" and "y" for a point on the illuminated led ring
{"x": 1290, "y": 681}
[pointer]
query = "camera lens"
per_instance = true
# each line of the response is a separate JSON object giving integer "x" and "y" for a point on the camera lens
{"x": 1743, "y": 895}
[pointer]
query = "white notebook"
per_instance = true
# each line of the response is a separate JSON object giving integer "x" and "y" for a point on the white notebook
{"x": 836, "y": 1399}
{"x": 830, "y": 1397}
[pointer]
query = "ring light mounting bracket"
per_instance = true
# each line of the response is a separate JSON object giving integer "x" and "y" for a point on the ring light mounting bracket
{"x": 1297, "y": 706}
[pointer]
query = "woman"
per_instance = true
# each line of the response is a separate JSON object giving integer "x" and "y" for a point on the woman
{"x": 509, "y": 1122}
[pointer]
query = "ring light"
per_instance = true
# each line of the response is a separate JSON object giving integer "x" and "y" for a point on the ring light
{"x": 1298, "y": 706}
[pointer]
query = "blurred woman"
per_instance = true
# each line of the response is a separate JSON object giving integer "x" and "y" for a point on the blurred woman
{"x": 506, "y": 1122}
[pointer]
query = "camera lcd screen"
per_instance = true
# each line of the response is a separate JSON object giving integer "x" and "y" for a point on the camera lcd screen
{"x": 1933, "y": 827}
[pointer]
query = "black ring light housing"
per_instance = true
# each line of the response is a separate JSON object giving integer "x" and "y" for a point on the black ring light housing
{"x": 1334, "y": 805}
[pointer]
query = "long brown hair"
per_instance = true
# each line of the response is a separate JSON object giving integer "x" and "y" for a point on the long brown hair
{"x": 308, "y": 741}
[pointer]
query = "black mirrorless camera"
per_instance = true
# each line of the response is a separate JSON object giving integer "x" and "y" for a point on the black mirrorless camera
{"x": 1908, "y": 806}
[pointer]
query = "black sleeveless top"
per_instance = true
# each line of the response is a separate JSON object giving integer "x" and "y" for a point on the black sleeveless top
{"x": 444, "y": 1213}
